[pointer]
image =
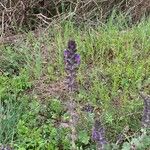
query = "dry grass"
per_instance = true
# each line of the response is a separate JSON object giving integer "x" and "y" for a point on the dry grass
{"x": 32, "y": 14}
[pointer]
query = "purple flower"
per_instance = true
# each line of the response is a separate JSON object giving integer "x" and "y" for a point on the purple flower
{"x": 98, "y": 134}
{"x": 66, "y": 53}
{"x": 72, "y": 60}
{"x": 77, "y": 59}
{"x": 72, "y": 46}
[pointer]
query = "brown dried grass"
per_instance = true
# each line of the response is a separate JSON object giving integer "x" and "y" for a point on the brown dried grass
{"x": 32, "y": 14}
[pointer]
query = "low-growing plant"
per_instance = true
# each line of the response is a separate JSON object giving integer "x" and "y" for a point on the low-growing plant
{"x": 39, "y": 130}
{"x": 13, "y": 104}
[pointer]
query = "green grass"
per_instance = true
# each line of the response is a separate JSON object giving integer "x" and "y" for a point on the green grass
{"x": 115, "y": 65}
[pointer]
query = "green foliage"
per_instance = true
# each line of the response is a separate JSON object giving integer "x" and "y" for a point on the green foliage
{"x": 84, "y": 137}
{"x": 33, "y": 133}
{"x": 44, "y": 137}
{"x": 114, "y": 67}
{"x": 17, "y": 57}
{"x": 11, "y": 60}
{"x": 13, "y": 104}
{"x": 56, "y": 106}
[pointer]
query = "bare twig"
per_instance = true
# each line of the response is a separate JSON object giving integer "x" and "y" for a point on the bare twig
{"x": 2, "y": 32}
{"x": 122, "y": 135}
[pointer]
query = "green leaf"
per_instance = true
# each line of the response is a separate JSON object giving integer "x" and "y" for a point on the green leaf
{"x": 56, "y": 106}
{"x": 83, "y": 137}
{"x": 126, "y": 146}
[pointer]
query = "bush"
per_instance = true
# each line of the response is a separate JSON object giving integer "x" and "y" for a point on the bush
{"x": 31, "y": 14}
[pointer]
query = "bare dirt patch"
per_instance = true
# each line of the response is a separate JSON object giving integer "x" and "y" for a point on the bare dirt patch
{"x": 45, "y": 90}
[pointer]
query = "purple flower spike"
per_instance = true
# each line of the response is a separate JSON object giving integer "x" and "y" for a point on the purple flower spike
{"x": 72, "y": 46}
{"x": 72, "y": 60}
{"x": 98, "y": 134}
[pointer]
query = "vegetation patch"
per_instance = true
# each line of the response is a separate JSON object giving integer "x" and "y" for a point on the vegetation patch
{"x": 113, "y": 88}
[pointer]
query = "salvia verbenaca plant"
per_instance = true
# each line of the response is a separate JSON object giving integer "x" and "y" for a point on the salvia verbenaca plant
{"x": 146, "y": 112}
{"x": 72, "y": 61}
{"x": 98, "y": 135}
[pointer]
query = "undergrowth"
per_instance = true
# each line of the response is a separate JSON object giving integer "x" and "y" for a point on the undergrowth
{"x": 115, "y": 66}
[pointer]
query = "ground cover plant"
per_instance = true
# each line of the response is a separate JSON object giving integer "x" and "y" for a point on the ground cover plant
{"x": 114, "y": 73}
